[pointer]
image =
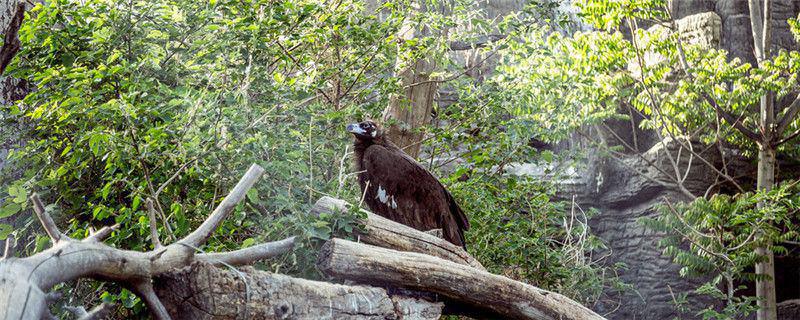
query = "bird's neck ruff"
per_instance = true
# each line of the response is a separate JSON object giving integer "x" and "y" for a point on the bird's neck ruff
{"x": 360, "y": 146}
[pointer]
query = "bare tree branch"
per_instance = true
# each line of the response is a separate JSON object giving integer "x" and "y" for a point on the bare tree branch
{"x": 144, "y": 289}
{"x": 791, "y": 115}
{"x": 47, "y": 221}
{"x": 174, "y": 175}
{"x": 101, "y": 234}
{"x": 735, "y": 122}
{"x": 99, "y": 312}
{"x": 151, "y": 215}
{"x": 249, "y": 255}
{"x": 9, "y": 248}
{"x": 70, "y": 259}
{"x": 788, "y": 138}
{"x": 202, "y": 233}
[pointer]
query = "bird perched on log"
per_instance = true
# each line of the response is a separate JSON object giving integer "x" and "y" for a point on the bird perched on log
{"x": 399, "y": 188}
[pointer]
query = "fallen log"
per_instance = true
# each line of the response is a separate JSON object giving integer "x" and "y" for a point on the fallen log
{"x": 204, "y": 292}
{"x": 362, "y": 263}
{"x": 386, "y": 233}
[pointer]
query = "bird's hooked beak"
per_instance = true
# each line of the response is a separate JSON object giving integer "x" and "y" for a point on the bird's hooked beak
{"x": 355, "y": 128}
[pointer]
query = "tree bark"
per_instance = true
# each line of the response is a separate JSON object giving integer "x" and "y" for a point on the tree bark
{"x": 507, "y": 298}
{"x": 386, "y": 233}
{"x": 761, "y": 22}
{"x": 202, "y": 291}
{"x": 11, "y": 42}
{"x": 408, "y": 112}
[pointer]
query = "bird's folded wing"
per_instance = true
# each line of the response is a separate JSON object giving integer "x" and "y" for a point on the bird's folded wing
{"x": 405, "y": 187}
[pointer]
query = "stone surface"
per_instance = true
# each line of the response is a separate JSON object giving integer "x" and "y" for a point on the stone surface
{"x": 625, "y": 190}
{"x": 683, "y": 8}
{"x": 737, "y": 38}
{"x": 623, "y": 196}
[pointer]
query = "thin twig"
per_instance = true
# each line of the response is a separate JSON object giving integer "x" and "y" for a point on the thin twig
{"x": 101, "y": 234}
{"x": 47, "y": 221}
{"x": 151, "y": 215}
{"x": 9, "y": 247}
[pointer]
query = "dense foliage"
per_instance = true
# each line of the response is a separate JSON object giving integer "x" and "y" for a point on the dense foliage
{"x": 171, "y": 100}
{"x": 619, "y": 69}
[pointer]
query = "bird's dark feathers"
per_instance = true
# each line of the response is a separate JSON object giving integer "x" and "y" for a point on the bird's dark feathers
{"x": 401, "y": 189}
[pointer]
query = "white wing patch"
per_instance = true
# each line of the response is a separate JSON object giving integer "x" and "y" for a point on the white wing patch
{"x": 382, "y": 196}
{"x": 386, "y": 198}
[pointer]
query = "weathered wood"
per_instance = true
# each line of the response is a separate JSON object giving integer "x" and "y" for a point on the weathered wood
{"x": 202, "y": 291}
{"x": 508, "y": 298}
{"x": 386, "y": 233}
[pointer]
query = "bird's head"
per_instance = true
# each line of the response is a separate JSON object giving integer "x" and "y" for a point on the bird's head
{"x": 366, "y": 130}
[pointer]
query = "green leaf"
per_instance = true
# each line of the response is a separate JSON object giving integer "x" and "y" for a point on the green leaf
{"x": 10, "y": 209}
{"x": 19, "y": 193}
{"x": 5, "y": 230}
{"x": 248, "y": 242}
{"x": 547, "y": 155}
{"x": 107, "y": 190}
{"x": 136, "y": 201}
{"x": 41, "y": 243}
{"x": 252, "y": 195}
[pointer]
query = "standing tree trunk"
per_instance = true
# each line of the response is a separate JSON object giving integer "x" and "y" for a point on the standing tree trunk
{"x": 761, "y": 23}
{"x": 408, "y": 112}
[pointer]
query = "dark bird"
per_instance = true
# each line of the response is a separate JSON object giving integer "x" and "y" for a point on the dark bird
{"x": 399, "y": 188}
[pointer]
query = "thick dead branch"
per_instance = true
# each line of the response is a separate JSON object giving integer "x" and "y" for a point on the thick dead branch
{"x": 202, "y": 233}
{"x": 386, "y": 233}
{"x": 44, "y": 218}
{"x": 510, "y": 299}
{"x": 249, "y": 255}
{"x": 144, "y": 289}
{"x": 202, "y": 292}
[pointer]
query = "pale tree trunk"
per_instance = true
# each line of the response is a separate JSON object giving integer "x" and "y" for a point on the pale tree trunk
{"x": 761, "y": 23}
{"x": 408, "y": 112}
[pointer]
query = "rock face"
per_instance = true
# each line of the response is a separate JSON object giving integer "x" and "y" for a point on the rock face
{"x": 625, "y": 190}
{"x": 623, "y": 196}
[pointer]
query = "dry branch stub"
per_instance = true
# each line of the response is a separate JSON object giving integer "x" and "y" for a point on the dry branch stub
{"x": 510, "y": 299}
{"x": 386, "y": 233}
